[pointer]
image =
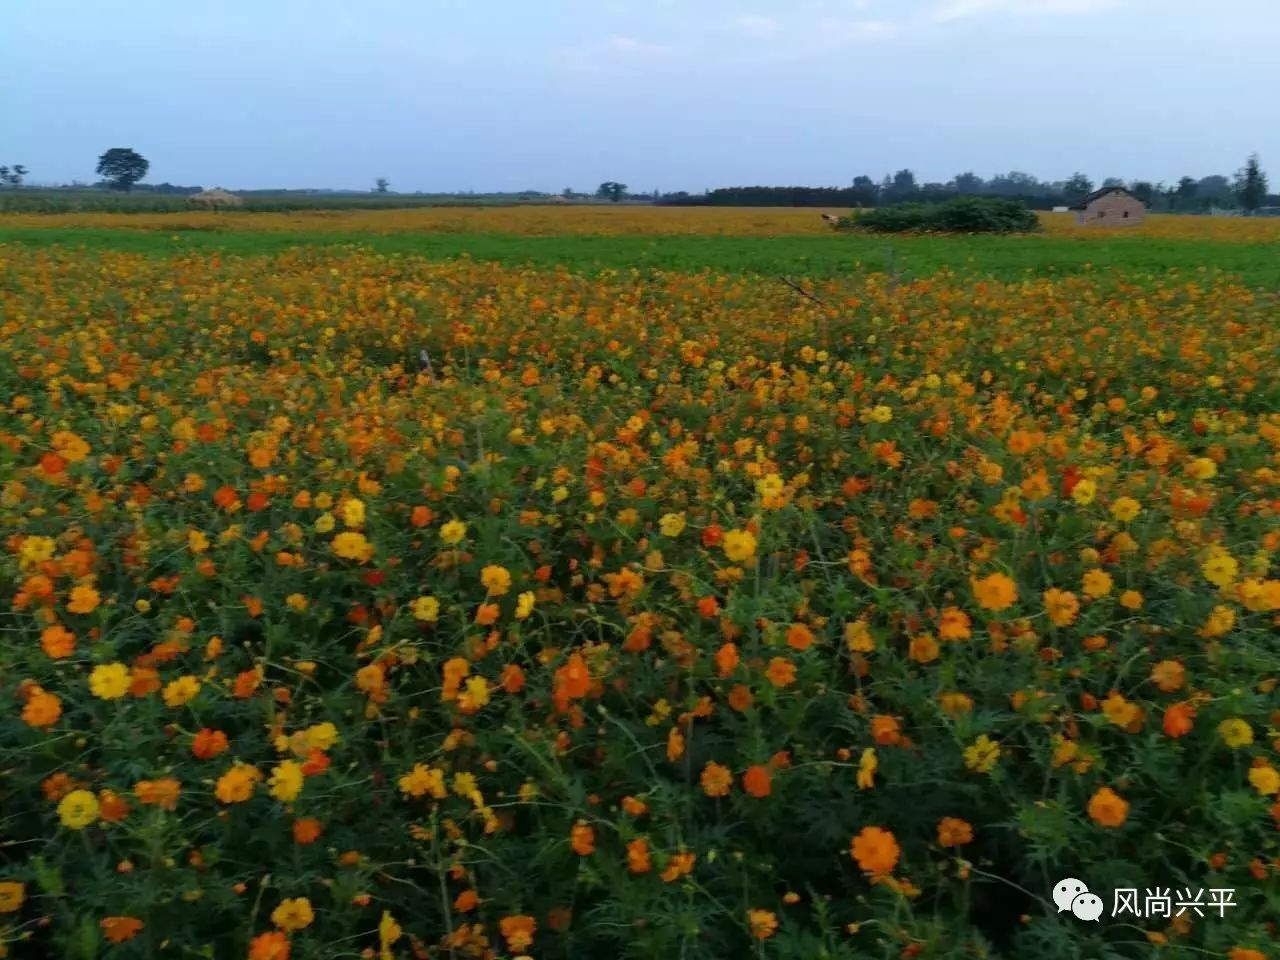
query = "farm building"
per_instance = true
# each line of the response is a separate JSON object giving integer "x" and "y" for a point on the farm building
{"x": 1110, "y": 207}
{"x": 213, "y": 199}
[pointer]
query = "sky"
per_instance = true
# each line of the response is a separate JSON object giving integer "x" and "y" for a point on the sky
{"x": 492, "y": 95}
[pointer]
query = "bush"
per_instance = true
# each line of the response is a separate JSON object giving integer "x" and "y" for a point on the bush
{"x": 963, "y": 215}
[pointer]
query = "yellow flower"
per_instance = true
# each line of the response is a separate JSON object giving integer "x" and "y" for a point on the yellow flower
{"x": 1084, "y": 492}
{"x": 995, "y": 592}
{"x": 1265, "y": 780}
{"x": 286, "y": 781}
{"x": 1221, "y": 620}
{"x": 322, "y": 736}
{"x": 867, "y": 765}
{"x": 197, "y": 542}
{"x": 524, "y": 605}
{"x": 496, "y": 580}
{"x": 982, "y": 755}
{"x": 422, "y": 780}
{"x": 1061, "y": 606}
{"x": 1125, "y": 509}
{"x": 426, "y": 609}
{"x": 181, "y": 691}
{"x": 293, "y": 915}
{"x": 671, "y": 524}
{"x": 352, "y": 546}
{"x": 325, "y": 522}
{"x": 1096, "y": 583}
{"x": 109, "y": 681}
{"x": 1235, "y": 733}
{"x": 237, "y": 784}
{"x": 475, "y": 694}
{"x": 1202, "y": 468}
{"x": 388, "y": 933}
{"x": 452, "y": 533}
{"x": 1220, "y": 568}
{"x": 353, "y": 513}
{"x": 35, "y": 551}
{"x": 12, "y": 895}
{"x": 1131, "y": 600}
{"x": 78, "y": 809}
{"x": 739, "y": 545}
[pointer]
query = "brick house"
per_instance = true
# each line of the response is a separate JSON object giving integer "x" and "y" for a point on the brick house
{"x": 1110, "y": 207}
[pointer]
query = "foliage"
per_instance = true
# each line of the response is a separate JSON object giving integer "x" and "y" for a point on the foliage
{"x": 122, "y": 167}
{"x": 12, "y": 176}
{"x": 668, "y": 615}
{"x": 611, "y": 190}
{"x": 1252, "y": 185}
{"x": 962, "y": 215}
{"x": 381, "y": 185}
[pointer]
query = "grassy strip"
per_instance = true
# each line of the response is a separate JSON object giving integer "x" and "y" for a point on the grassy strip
{"x": 1004, "y": 258}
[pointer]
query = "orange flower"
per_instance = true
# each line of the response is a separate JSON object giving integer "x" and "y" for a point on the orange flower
{"x": 466, "y": 901}
{"x": 741, "y": 698}
{"x": 726, "y": 659}
{"x": 207, "y": 744}
{"x": 582, "y": 838}
{"x": 120, "y": 929}
{"x": 758, "y": 781}
{"x": 41, "y": 709}
{"x": 781, "y": 672}
{"x": 112, "y": 807}
{"x": 162, "y": 793}
{"x": 634, "y": 807}
{"x": 675, "y": 744}
{"x": 763, "y": 923}
{"x": 306, "y": 830}
{"x": 886, "y": 731}
{"x": 954, "y": 832}
{"x": 1107, "y": 808}
{"x": 272, "y": 945}
{"x": 799, "y": 637}
{"x": 1169, "y": 675}
{"x": 716, "y": 780}
{"x": 995, "y": 592}
{"x": 83, "y": 599}
{"x": 875, "y": 850}
{"x": 57, "y": 642}
{"x": 638, "y": 856}
{"x": 1179, "y": 719}
{"x": 518, "y": 932}
{"x": 679, "y": 865}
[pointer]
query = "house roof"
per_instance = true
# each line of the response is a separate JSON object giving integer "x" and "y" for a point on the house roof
{"x": 1101, "y": 192}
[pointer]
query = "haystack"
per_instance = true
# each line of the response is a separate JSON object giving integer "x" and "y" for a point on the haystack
{"x": 213, "y": 199}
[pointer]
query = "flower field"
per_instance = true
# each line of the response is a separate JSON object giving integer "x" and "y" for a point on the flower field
{"x": 664, "y": 615}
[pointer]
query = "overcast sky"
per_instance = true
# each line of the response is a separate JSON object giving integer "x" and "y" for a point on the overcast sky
{"x": 668, "y": 94}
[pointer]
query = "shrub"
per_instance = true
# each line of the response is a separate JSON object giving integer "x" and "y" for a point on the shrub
{"x": 963, "y": 215}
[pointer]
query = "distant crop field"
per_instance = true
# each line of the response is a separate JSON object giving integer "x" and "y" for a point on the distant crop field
{"x": 635, "y": 583}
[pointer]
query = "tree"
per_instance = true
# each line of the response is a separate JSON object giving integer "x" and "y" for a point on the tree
{"x": 381, "y": 184}
{"x": 612, "y": 190}
{"x": 1077, "y": 188}
{"x": 12, "y": 176}
{"x": 968, "y": 183}
{"x": 1188, "y": 187}
{"x": 1251, "y": 185}
{"x": 1144, "y": 191}
{"x": 122, "y": 167}
{"x": 1113, "y": 182}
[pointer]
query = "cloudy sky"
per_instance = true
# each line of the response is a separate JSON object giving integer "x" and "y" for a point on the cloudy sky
{"x": 667, "y": 94}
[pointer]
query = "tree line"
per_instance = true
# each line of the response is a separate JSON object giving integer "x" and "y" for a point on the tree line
{"x": 1247, "y": 191}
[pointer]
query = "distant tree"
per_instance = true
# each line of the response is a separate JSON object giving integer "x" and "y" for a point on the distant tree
{"x": 968, "y": 183}
{"x": 1186, "y": 192}
{"x": 12, "y": 176}
{"x": 122, "y": 167}
{"x": 1077, "y": 188}
{"x": 1113, "y": 182}
{"x": 1251, "y": 185}
{"x": 611, "y": 190}
{"x": 1216, "y": 187}
{"x": 381, "y": 185}
{"x": 567, "y": 193}
{"x": 904, "y": 183}
{"x": 1144, "y": 191}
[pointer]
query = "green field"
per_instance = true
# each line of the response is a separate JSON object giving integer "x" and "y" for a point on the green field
{"x": 1004, "y": 258}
